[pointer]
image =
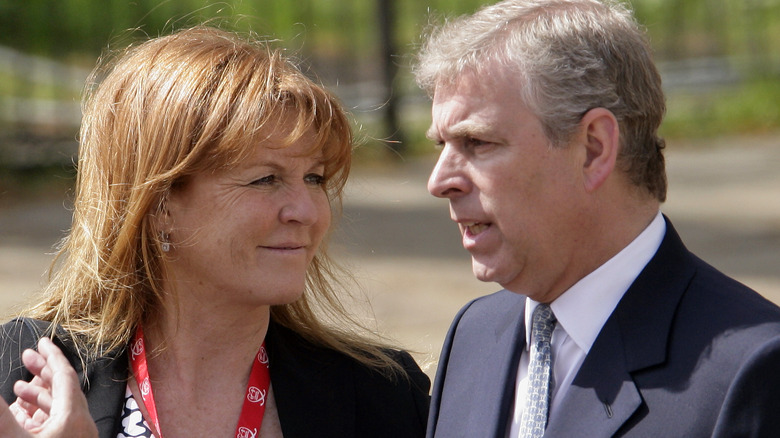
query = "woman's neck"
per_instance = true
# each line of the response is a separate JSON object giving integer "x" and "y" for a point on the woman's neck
{"x": 197, "y": 343}
{"x": 199, "y": 364}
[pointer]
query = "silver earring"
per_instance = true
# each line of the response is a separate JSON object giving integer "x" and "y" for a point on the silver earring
{"x": 166, "y": 245}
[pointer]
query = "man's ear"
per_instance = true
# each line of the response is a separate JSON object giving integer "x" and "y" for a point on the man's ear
{"x": 602, "y": 144}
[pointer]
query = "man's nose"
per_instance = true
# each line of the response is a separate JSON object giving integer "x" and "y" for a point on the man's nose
{"x": 448, "y": 178}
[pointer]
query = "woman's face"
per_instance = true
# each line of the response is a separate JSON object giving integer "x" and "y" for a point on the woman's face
{"x": 245, "y": 236}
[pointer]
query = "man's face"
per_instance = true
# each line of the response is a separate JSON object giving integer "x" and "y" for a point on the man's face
{"x": 516, "y": 198}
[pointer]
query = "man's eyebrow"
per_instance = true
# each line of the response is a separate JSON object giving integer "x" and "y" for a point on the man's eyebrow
{"x": 461, "y": 130}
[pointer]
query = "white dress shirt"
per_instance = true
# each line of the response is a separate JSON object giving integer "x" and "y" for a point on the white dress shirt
{"x": 581, "y": 312}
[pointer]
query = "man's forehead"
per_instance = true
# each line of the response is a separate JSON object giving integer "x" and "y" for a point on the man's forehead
{"x": 463, "y": 82}
{"x": 459, "y": 109}
{"x": 473, "y": 106}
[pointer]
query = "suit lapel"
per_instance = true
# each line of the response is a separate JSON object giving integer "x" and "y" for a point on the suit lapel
{"x": 604, "y": 395}
{"x": 475, "y": 387}
{"x": 498, "y": 372}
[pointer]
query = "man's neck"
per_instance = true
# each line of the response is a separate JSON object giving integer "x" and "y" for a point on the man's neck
{"x": 610, "y": 231}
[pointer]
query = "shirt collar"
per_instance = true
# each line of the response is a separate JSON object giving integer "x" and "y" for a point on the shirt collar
{"x": 584, "y": 308}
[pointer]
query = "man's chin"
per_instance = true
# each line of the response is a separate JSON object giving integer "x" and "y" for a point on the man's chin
{"x": 490, "y": 275}
{"x": 482, "y": 272}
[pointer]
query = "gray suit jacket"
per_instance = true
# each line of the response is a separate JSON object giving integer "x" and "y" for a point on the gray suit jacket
{"x": 688, "y": 352}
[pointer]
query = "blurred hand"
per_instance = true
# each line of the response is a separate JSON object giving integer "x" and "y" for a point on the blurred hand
{"x": 52, "y": 404}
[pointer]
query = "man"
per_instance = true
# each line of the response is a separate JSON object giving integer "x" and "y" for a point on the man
{"x": 547, "y": 113}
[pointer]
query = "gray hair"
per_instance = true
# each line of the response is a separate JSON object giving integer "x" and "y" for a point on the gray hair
{"x": 570, "y": 56}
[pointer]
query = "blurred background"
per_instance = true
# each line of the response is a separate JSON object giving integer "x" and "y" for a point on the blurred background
{"x": 719, "y": 59}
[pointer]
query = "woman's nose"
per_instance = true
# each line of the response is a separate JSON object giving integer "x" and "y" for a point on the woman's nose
{"x": 301, "y": 206}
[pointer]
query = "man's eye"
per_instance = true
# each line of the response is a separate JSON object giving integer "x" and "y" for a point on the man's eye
{"x": 315, "y": 179}
{"x": 474, "y": 142}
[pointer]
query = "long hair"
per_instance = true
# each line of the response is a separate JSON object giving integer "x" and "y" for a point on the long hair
{"x": 570, "y": 56}
{"x": 196, "y": 100}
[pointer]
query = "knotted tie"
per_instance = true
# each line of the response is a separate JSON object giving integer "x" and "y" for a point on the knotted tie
{"x": 537, "y": 402}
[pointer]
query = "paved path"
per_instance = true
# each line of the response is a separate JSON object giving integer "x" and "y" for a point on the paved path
{"x": 724, "y": 200}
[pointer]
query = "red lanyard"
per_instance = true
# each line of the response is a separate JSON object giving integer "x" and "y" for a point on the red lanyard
{"x": 256, "y": 390}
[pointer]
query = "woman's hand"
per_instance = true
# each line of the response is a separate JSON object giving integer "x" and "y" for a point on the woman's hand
{"x": 52, "y": 404}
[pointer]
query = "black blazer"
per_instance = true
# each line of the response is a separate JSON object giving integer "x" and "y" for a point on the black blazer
{"x": 318, "y": 392}
{"x": 688, "y": 352}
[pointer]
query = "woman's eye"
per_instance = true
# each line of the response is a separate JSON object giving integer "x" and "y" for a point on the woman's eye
{"x": 315, "y": 179}
{"x": 266, "y": 180}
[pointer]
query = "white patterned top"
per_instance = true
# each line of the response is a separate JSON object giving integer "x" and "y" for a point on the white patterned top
{"x": 133, "y": 423}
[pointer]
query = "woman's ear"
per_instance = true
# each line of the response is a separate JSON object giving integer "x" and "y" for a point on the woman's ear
{"x": 161, "y": 218}
{"x": 602, "y": 145}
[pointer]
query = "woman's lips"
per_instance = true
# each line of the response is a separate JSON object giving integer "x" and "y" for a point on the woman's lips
{"x": 285, "y": 247}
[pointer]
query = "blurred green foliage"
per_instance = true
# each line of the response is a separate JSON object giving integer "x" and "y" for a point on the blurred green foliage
{"x": 81, "y": 29}
{"x": 340, "y": 41}
{"x": 746, "y": 108}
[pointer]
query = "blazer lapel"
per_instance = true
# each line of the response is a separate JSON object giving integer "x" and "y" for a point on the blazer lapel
{"x": 498, "y": 372}
{"x": 604, "y": 395}
{"x": 476, "y": 397}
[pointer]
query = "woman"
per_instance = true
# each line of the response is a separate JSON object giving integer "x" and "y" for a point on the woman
{"x": 191, "y": 282}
